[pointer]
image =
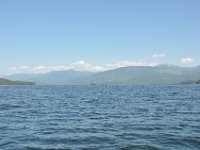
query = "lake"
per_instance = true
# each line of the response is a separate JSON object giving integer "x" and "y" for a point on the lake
{"x": 157, "y": 117}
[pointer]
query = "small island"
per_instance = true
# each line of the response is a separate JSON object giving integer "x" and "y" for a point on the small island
{"x": 9, "y": 82}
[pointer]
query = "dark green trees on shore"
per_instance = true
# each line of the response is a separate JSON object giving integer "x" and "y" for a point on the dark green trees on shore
{"x": 9, "y": 82}
{"x": 191, "y": 82}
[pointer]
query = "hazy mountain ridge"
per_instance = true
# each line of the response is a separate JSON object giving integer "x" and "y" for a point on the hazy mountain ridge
{"x": 22, "y": 76}
{"x": 162, "y": 74}
{"x": 59, "y": 77}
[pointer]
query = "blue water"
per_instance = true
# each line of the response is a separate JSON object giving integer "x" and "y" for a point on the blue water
{"x": 100, "y": 117}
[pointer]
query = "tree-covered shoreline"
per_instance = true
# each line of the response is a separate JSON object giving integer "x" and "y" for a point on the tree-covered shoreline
{"x": 191, "y": 82}
{"x": 9, "y": 82}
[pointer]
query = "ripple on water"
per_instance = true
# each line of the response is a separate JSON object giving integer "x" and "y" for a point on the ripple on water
{"x": 96, "y": 117}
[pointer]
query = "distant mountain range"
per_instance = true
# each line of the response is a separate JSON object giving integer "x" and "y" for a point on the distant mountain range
{"x": 9, "y": 82}
{"x": 60, "y": 77}
{"x": 162, "y": 74}
{"x": 22, "y": 76}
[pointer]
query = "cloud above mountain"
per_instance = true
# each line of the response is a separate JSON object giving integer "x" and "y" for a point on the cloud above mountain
{"x": 161, "y": 55}
{"x": 79, "y": 66}
{"x": 187, "y": 60}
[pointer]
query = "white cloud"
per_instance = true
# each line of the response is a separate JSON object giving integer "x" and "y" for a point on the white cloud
{"x": 37, "y": 69}
{"x": 187, "y": 60}
{"x": 80, "y": 66}
{"x": 158, "y": 55}
{"x": 83, "y": 66}
{"x": 19, "y": 68}
{"x": 128, "y": 63}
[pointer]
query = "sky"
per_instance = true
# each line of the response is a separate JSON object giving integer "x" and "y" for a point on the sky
{"x": 38, "y": 36}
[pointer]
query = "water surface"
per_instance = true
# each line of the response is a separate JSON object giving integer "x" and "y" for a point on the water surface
{"x": 100, "y": 117}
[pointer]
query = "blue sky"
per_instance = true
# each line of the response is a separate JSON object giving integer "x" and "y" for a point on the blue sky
{"x": 97, "y": 33}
